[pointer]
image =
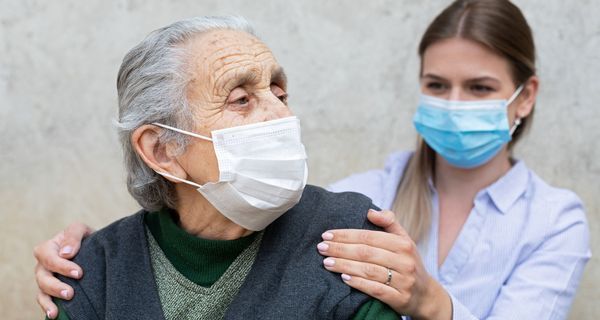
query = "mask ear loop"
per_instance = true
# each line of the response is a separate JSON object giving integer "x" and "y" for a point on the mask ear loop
{"x": 164, "y": 174}
{"x": 178, "y": 179}
{"x": 515, "y": 95}
{"x": 515, "y": 125}
{"x": 195, "y": 135}
{"x": 511, "y": 100}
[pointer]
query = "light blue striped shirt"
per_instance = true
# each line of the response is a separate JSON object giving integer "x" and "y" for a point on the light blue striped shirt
{"x": 520, "y": 254}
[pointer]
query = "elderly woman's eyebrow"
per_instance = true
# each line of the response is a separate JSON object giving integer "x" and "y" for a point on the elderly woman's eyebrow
{"x": 278, "y": 76}
{"x": 241, "y": 79}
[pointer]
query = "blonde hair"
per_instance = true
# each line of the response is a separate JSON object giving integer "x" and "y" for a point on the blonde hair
{"x": 412, "y": 204}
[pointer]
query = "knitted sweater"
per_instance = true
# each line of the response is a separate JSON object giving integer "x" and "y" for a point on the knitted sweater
{"x": 203, "y": 262}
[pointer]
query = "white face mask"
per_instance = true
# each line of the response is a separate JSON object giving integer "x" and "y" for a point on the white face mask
{"x": 262, "y": 171}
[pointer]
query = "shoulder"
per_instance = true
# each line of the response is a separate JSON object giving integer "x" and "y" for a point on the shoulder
{"x": 321, "y": 206}
{"x": 559, "y": 203}
{"x": 112, "y": 237}
{"x": 106, "y": 256}
{"x": 373, "y": 183}
{"x": 320, "y": 210}
{"x": 289, "y": 246}
{"x": 560, "y": 211}
{"x": 314, "y": 195}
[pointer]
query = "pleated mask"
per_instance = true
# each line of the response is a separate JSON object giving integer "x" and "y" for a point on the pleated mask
{"x": 467, "y": 134}
{"x": 262, "y": 171}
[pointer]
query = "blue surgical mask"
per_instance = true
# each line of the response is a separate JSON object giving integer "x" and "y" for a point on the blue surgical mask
{"x": 467, "y": 134}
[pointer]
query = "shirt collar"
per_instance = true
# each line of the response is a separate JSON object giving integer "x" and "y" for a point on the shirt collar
{"x": 506, "y": 190}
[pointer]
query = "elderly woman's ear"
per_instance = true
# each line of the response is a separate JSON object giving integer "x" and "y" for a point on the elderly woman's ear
{"x": 158, "y": 156}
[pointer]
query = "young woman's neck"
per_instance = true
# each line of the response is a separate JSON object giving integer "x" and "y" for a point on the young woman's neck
{"x": 451, "y": 180}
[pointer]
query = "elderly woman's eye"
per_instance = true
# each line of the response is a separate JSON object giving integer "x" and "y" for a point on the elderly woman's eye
{"x": 283, "y": 97}
{"x": 242, "y": 101}
{"x": 279, "y": 93}
{"x": 238, "y": 97}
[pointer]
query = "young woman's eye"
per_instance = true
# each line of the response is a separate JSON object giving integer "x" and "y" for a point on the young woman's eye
{"x": 477, "y": 88}
{"x": 436, "y": 86}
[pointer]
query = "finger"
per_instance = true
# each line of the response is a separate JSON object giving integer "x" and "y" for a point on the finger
{"x": 359, "y": 252}
{"x": 368, "y": 271}
{"x": 47, "y": 255}
{"x": 379, "y": 239}
{"x": 50, "y": 285}
{"x": 379, "y": 291}
{"x": 72, "y": 237}
{"x": 387, "y": 220}
{"x": 48, "y": 307}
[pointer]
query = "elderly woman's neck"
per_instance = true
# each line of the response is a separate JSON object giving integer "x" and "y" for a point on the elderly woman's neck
{"x": 200, "y": 218}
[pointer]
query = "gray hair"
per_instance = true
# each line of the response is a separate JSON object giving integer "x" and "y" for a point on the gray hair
{"x": 151, "y": 85}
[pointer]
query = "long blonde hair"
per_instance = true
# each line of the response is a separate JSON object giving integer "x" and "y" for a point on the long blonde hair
{"x": 412, "y": 204}
{"x": 496, "y": 24}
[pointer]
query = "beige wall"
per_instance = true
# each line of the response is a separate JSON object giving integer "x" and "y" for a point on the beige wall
{"x": 352, "y": 67}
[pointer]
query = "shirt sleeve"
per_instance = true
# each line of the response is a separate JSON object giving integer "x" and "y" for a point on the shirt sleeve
{"x": 459, "y": 311}
{"x": 543, "y": 284}
{"x": 376, "y": 310}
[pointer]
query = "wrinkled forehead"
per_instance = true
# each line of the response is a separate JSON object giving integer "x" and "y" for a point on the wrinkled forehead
{"x": 222, "y": 55}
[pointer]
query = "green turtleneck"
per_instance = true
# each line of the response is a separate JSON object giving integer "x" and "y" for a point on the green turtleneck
{"x": 200, "y": 260}
{"x": 204, "y": 261}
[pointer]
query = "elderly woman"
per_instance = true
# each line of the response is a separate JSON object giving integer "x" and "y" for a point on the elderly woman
{"x": 214, "y": 157}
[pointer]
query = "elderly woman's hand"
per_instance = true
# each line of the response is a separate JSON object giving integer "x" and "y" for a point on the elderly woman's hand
{"x": 386, "y": 266}
{"x": 53, "y": 256}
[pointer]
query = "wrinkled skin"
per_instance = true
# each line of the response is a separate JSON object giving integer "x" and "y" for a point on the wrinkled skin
{"x": 235, "y": 80}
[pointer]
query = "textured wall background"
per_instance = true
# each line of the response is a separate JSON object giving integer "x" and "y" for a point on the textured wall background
{"x": 352, "y": 67}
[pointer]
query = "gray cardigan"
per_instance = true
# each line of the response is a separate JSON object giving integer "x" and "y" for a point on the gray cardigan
{"x": 287, "y": 279}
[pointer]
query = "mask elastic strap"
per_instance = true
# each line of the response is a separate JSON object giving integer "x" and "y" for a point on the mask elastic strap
{"x": 195, "y": 135}
{"x": 515, "y": 95}
{"x": 514, "y": 127}
{"x": 512, "y": 98}
{"x": 179, "y": 179}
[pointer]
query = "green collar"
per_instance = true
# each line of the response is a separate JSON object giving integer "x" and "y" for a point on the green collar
{"x": 200, "y": 260}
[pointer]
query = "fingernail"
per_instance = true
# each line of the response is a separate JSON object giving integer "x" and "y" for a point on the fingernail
{"x": 328, "y": 262}
{"x": 375, "y": 211}
{"x": 346, "y": 277}
{"x": 322, "y": 246}
{"x": 327, "y": 236}
{"x": 64, "y": 293}
{"x": 48, "y": 314}
{"x": 75, "y": 273}
{"x": 66, "y": 250}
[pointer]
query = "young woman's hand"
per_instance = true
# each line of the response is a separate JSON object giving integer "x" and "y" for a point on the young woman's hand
{"x": 386, "y": 266}
{"x": 53, "y": 257}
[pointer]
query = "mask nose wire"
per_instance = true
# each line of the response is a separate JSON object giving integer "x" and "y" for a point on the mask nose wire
{"x": 195, "y": 135}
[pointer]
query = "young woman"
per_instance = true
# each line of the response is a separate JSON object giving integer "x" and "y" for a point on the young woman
{"x": 471, "y": 232}
{"x": 498, "y": 239}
